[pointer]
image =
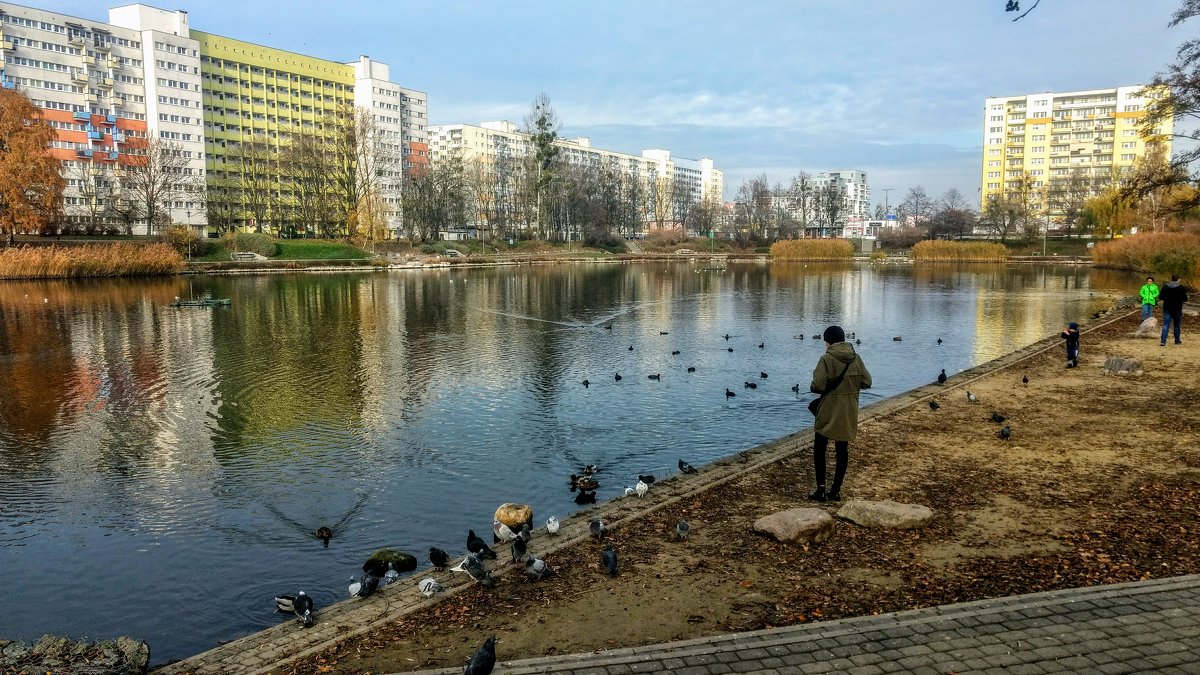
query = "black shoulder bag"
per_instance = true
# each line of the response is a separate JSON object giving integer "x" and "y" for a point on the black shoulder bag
{"x": 815, "y": 404}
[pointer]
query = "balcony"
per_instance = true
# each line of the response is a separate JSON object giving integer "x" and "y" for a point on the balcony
{"x": 95, "y": 135}
{"x": 83, "y": 116}
{"x": 112, "y": 155}
{"x": 115, "y": 63}
{"x": 80, "y": 76}
{"x": 109, "y": 120}
{"x": 118, "y": 137}
{"x": 75, "y": 39}
{"x": 83, "y": 152}
{"x": 8, "y": 83}
{"x": 6, "y": 44}
{"x": 105, "y": 83}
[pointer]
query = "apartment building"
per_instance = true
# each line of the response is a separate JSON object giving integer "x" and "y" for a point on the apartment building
{"x": 1047, "y": 137}
{"x": 147, "y": 74}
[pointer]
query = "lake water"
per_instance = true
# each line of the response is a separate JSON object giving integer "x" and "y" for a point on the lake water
{"x": 162, "y": 470}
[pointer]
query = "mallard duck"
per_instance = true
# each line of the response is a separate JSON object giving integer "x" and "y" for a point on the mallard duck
{"x": 300, "y": 604}
{"x": 324, "y": 533}
{"x": 587, "y": 483}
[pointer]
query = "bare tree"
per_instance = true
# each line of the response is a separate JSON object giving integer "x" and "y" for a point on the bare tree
{"x": 917, "y": 208}
{"x": 152, "y": 177}
{"x": 1068, "y": 195}
{"x": 256, "y": 176}
{"x": 94, "y": 186}
{"x": 803, "y": 198}
{"x": 433, "y": 199}
{"x": 831, "y": 205}
{"x": 542, "y": 123}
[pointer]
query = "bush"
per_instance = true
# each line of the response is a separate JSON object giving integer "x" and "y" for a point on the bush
{"x": 183, "y": 239}
{"x": 959, "y": 251}
{"x": 1159, "y": 253}
{"x": 878, "y": 255}
{"x": 666, "y": 236}
{"x": 92, "y": 260}
{"x": 257, "y": 242}
{"x": 811, "y": 249}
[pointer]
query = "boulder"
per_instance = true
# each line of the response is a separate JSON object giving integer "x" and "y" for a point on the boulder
{"x": 797, "y": 526}
{"x": 515, "y": 515}
{"x": 1119, "y": 365}
{"x": 1148, "y": 329}
{"x": 387, "y": 559}
{"x": 123, "y": 656}
{"x": 1188, "y": 311}
{"x": 885, "y": 514}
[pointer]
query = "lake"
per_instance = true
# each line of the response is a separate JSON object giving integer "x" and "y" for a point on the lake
{"x": 162, "y": 470}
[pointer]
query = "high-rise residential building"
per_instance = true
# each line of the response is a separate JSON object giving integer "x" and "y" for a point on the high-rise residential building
{"x": 848, "y": 186}
{"x": 1038, "y": 141}
{"x": 146, "y": 74}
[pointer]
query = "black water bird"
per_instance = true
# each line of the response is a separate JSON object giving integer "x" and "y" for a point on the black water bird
{"x": 589, "y": 469}
{"x": 608, "y": 558}
{"x": 729, "y": 394}
{"x": 479, "y": 546}
{"x": 438, "y": 558}
{"x": 687, "y": 468}
{"x": 691, "y": 369}
{"x": 998, "y": 418}
{"x": 324, "y": 533}
{"x": 942, "y": 377}
{"x": 1025, "y": 380}
{"x": 762, "y": 345}
{"x": 655, "y": 376}
{"x": 729, "y": 349}
{"x": 897, "y": 338}
{"x": 300, "y": 604}
{"x": 662, "y": 332}
{"x": 727, "y": 336}
{"x": 933, "y": 405}
{"x": 646, "y": 478}
{"x": 586, "y": 383}
{"x": 762, "y": 376}
{"x": 617, "y": 377}
{"x": 585, "y": 497}
{"x": 796, "y": 387}
{"x": 630, "y": 347}
{"x": 675, "y": 353}
{"x": 751, "y": 385}
{"x": 1005, "y": 433}
{"x": 483, "y": 660}
{"x": 608, "y": 327}
{"x": 939, "y": 341}
{"x": 816, "y": 337}
{"x": 858, "y": 342}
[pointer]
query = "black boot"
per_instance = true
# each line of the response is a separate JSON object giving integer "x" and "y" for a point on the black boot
{"x": 818, "y": 495}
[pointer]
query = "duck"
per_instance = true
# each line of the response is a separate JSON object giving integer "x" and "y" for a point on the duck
{"x": 729, "y": 394}
{"x": 751, "y": 385}
{"x": 324, "y": 533}
{"x": 655, "y": 376}
{"x": 897, "y": 339}
{"x": 586, "y": 483}
{"x": 300, "y": 604}
{"x": 617, "y": 377}
{"x": 796, "y": 387}
{"x": 691, "y": 369}
{"x": 727, "y": 336}
{"x": 589, "y": 469}
{"x": 762, "y": 376}
{"x": 675, "y": 353}
{"x": 585, "y": 497}
{"x": 646, "y": 478}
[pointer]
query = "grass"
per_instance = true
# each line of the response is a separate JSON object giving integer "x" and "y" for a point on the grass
{"x": 218, "y": 250}
{"x": 1054, "y": 246}
{"x": 102, "y": 260}
{"x": 959, "y": 251}
{"x": 1159, "y": 253}
{"x": 812, "y": 249}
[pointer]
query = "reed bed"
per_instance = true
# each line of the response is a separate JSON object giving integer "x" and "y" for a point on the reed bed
{"x": 1159, "y": 253}
{"x": 93, "y": 260}
{"x": 812, "y": 249}
{"x": 959, "y": 251}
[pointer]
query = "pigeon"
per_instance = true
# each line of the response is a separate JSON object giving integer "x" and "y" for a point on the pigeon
{"x": 933, "y": 405}
{"x": 608, "y": 558}
{"x": 796, "y": 387}
{"x": 729, "y": 349}
{"x": 473, "y": 567}
{"x": 438, "y": 557}
{"x": 586, "y": 383}
{"x": 301, "y": 605}
{"x": 1025, "y": 380}
{"x": 682, "y": 528}
{"x": 762, "y": 376}
{"x": 687, "y": 468}
{"x": 324, "y": 533}
{"x": 942, "y": 377}
{"x": 642, "y": 489}
{"x": 536, "y": 568}
{"x": 628, "y": 491}
{"x": 429, "y": 586}
{"x": 729, "y": 394}
{"x": 391, "y": 577}
{"x": 364, "y": 587}
{"x": 502, "y": 532}
{"x": 971, "y": 398}
{"x": 479, "y": 546}
{"x": 997, "y": 418}
{"x": 691, "y": 369}
{"x": 762, "y": 345}
{"x": 484, "y": 659}
{"x": 1005, "y": 433}
{"x": 646, "y": 478}
{"x": 617, "y": 377}
{"x": 518, "y": 549}
{"x": 939, "y": 341}
{"x": 751, "y": 385}
{"x": 655, "y": 376}
{"x": 552, "y": 525}
{"x": 585, "y": 497}
{"x": 675, "y": 353}
{"x": 525, "y": 534}
{"x": 597, "y": 528}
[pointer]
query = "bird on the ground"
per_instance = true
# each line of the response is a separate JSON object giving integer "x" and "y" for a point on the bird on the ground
{"x": 751, "y": 385}
{"x": 1005, "y": 432}
{"x": 536, "y": 568}
{"x": 300, "y": 604}
{"x": 642, "y": 489}
{"x": 691, "y": 369}
{"x": 391, "y": 577}
{"x": 502, "y": 532}
{"x": 479, "y": 546}
{"x": 483, "y": 660}
{"x": 585, "y": 497}
{"x": 682, "y": 528}
{"x": 525, "y": 534}
{"x": 933, "y": 405}
{"x": 365, "y": 586}
{"x": 762, "y": 345}
{"x": 324, "y": 533}
{"x": 630, "y": 347}
{"x": 762, "y": 376}
{"x": 675, "y": 353}
{"x": 796, "y": 387}
{"x": 972, "y": 398}
{"x": 997, "y": 417}
{"x": 628, "y": 491}
{"x": 608, "y": 558}
{"x": 585, "y": 384}
{"x": 617, "y": 377}
{"x": 473, "y": 567}
{"x": 939, "y": 341}
{"x": 662, "y": 332}
{"x": 518, "y": 549}
{"x": 438, "y": 558}
{"x": 687, "y": 468}
{"x": 897, "y": 338}
{"x": 597, "y": 528}
{"x": 428, "y": 586}
{"x": 942, "y": 377}
{"x": 1025, "y": 380}
{"x": 552, "y": 525}
{"x": 646, "y": 478}
{"x": 729, "y": 394}
{"x": 655, "y": 376}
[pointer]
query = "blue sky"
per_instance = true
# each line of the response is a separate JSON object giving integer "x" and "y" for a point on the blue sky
{"x": 891, "y": 87}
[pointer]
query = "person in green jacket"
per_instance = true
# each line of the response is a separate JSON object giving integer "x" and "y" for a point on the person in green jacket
{"x": 837, "y": 416}
{"x": 1149, "y": 295}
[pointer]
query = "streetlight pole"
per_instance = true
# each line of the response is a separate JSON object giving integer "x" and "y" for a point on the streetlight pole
{"x": 886, "y": 211}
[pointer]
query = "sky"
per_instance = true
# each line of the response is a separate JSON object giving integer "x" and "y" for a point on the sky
{"x": 895, "y": 88}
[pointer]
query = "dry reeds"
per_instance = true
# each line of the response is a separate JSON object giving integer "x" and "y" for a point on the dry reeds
{"x": 1159, "y": 253}
{"x": 812, "y": 249}
{"x": 93, "y": 260}
{"x": 958, "y": 251}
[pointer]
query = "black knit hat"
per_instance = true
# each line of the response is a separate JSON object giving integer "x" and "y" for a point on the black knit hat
{"x": 834, "y": 334}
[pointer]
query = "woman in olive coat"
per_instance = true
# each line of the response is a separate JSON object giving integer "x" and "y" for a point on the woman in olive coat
{"x": 837, "y": 418}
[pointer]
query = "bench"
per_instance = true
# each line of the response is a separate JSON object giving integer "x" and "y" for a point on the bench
{"x": 243, "y": 255}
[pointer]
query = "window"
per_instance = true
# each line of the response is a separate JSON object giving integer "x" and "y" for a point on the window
{"x": 1133, "y": 108}
{"x": 1128, "y": 157}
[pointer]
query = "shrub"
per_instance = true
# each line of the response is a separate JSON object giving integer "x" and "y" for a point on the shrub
{"x": 959, "y": 251}
{"x": 92, "y": 260}
{"x": 666, "y": 236}
{"x": 1159, "y": 253}
{"x": 183, "y": 239}
{"x": 257, "y": 242}
{"x": 811, "y": 249}
{"x": 878, "y": 255}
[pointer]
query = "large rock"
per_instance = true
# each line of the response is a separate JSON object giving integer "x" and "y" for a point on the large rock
{"x": 1188, "y": 311}
{"x": 1119, "y": 365}
{"x": 123, "y": 656}
{"x": 515, "y": 515}
{"x": 885, "y": 514}
{"x": 1148, "y": 329}
{"x": 797, "y": 526}
{"x": 387, "y": 559}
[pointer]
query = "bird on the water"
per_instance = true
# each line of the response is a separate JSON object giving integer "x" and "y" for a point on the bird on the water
{"x": 324, "y": 533}
{"x": 751, "y": 385}
{"x": 646, "y": 478}
{"x": 617, "y": 377}
{"x": 585, "y": 497}
{"x": 939, "y": 341}
{"x": 655, "y": 376}
{"x": 729, "y": 349}
{"x": 630, "y": 347}
{"x": 762, "y": 345}
{"x": 796, "y": 387}
{"x": 729, "y": 394}
{"x": 762, "y": 376}
{"x": 897, "y": 339}
{"x": 691, "y": 369}
{"x": 586, "y": 383}
{"x": 675, "y": 353}
{"x": 300, "y": 604}
{"x": 687, "y": 468}
{"x": 483, "y": 660}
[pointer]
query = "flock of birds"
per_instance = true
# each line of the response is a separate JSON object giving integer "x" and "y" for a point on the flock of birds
{"x": 1005, "y": 432}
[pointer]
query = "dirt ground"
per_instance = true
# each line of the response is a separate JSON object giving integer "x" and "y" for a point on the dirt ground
{"x": 1097, "y": 485}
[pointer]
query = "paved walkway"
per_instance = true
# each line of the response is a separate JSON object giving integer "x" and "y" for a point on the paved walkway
{"x": 1146, "y": 626}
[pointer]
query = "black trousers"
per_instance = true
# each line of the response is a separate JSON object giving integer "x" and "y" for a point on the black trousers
{"x": 841, "y": 451}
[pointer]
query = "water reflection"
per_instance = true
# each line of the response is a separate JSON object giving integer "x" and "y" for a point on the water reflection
{"x": 195, "y": 451}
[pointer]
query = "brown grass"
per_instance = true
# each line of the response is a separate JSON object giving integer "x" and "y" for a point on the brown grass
{"x": 62, "y": 262}
{"x": 1159, "y": 253}
{"x": 812, "y": 249}
{"x": 958, "y": 251}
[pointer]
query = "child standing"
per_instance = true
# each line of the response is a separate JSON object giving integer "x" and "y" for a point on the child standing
{"x": 1071, "y": 335}
{"x": 1149, "y": 295}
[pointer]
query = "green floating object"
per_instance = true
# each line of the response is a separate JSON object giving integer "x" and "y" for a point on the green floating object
{"x": 386, "y": 559}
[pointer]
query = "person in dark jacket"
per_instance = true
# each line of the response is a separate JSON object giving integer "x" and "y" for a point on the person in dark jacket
{"x": 1172, "y": 297}
{"x": 1071, "y": 335}
{"x": 837, "y": 417}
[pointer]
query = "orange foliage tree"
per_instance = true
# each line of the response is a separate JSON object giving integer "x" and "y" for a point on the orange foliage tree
{"x": 31, "y": 186}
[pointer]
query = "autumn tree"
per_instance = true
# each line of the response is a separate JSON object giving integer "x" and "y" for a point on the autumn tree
{"x": 31, "y": 186}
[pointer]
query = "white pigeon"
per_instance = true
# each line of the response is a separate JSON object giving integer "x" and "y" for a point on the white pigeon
{"x": 503, "y": 532}
{"x": 972, "y": 397}
{"x": 628, "y": 491}
{"x": 552, "y": 525}
{"x": 429, "y": 586}
{"x": 642, "y": 489}
{"x": 473, "y": 567}
{"x": 391, "y": 577}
